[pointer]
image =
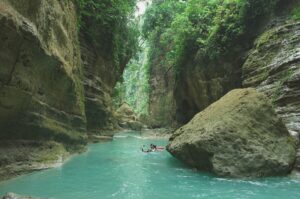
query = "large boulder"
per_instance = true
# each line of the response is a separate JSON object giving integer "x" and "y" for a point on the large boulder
{"x": 127, "y": 119}
{"x": 238, "y": 136}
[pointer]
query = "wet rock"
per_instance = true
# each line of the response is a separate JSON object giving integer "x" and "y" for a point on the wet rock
{"x": 238, "y": 136}
{"x": 23, "y": 156}
{"x": 16, "y": 196}
{"x": 297, "y": 162}
{"x": 127, "y": 119}
{"x": 273, "y": 67}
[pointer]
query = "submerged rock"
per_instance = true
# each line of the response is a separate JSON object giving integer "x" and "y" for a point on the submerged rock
{"x": 15, "y": 196}
{"x": 238, "y": 136}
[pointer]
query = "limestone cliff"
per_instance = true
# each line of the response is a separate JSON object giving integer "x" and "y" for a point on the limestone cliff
{"x": 55, "y": 85}
{"x": 41, "y": 95}
{"x": 202, "y": 83}
{"x": 267, "y": 58}
{"x": 161, "y": 103}
{"x": 273, "y": 66}
{"x": 100, "y": 77}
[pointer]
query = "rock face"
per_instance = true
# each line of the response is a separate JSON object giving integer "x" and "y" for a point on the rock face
{"x": 21, "y": 156}
{"x": 100, "y": 77}
{"x": 54, "y": 84}
{"x": 41, "y": 95}
{"x": 273, "y": 67}
{"x": 239, "y": 135}
{"x": 127, "y": 118}
{"x": 162, "y": 102}
{"x": 202, "y": 83}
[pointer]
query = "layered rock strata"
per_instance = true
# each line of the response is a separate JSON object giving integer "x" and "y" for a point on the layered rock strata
{"x": 41, "y": 95}
{"x": 55, "y": 86}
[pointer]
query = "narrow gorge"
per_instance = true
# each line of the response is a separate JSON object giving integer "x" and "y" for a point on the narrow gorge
{"x": 220, "y": 79}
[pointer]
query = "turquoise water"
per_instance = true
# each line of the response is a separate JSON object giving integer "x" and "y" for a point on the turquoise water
{"x": 119, "y": 170}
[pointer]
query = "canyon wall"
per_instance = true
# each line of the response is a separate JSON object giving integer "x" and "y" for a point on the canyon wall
{"x": 273, "y": 67}
{"x": 266, "y": 57}
{"x": 41, "y": 94}
{"x": 55, "y": 85}
{"x": 161, "y": 103}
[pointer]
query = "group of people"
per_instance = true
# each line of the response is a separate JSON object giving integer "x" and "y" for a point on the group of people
{"x": 152, "y": 148}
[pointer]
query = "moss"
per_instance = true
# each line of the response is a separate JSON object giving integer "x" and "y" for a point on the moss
{"x": 291, "y": 140}
{"x": 285, "y": 76}
{"x": 267, "y": 37}
{"x": 62, "y": 134}
{"x": 295, "y": 15}
{"x": 19, "y": 156}
{"x": 243, "y": 119}
{"x": 51, "y": 152}
{"x": 79, "y": 89}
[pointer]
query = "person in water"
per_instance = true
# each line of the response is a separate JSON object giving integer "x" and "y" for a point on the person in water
{"x": 153, "y": 147}
{"x": 147, "y": 150}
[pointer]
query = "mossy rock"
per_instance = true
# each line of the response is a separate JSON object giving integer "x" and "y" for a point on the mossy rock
{"x": 238, "y": 136}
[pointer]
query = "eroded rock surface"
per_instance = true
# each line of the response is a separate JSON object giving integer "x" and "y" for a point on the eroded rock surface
{"x": 239, "y": 135}
{"x": 273, "y": 67}
{"x": 127, "y": 119}
{"x": 41, "y": 96}
{"x": 100, "y": 77}
{"x": 54, "y": 84}
{"x": 162, "y": 106}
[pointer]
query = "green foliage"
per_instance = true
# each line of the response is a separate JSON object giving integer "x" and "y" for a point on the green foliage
{"x": 156, "y": 29}
{"x": 134, "y": 88}
{"x": 202, "y": 29}
{"x": 296, "y": 13}
{"x": 160, "y": 14}
{"x": 109, "y": 25}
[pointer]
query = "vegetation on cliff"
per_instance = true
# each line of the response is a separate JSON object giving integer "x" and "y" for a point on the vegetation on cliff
{"x": 133, "y": 88}
{"x": 296, "y": 13}
{"x": 202, "y": 29}
{"x": 48, "y": 90}
{"x": 110, "y": 26}
{"x": 204, "y": 44}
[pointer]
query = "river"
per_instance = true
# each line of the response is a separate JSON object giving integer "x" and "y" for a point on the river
{"x": 119, "y": 170}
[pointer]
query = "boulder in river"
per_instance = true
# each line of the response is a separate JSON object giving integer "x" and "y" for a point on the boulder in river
{"x": 15, "y": 196}
{"x": 127, "y": 119}
{"x": 238, "y": 136}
